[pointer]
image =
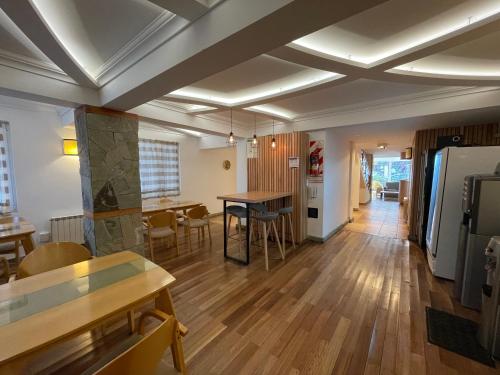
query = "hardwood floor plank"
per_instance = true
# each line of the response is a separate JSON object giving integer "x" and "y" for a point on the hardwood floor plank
{"x": 352, "y": 305}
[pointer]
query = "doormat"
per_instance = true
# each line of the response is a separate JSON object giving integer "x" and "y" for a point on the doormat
{"x": 457, "y": 335}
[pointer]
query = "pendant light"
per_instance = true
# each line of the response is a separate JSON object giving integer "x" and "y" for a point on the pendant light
{"x": 231, "y": 140}
{"x": 273, "y": 140}
{"x": 254, "y": 141}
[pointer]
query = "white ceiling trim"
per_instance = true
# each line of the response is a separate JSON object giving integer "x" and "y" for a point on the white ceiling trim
{"x": 187, "y": 9}
{"x": 421, "y": 100}
{"x": 157, "y": 24}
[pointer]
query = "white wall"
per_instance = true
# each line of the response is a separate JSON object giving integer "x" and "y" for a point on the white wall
{"x": 336, "y": 181}
{"x": 315, "y": 196}
{"x": 47, "y": 182}
{"x": 355, "y": 178}
{"x": 202, "y": 175}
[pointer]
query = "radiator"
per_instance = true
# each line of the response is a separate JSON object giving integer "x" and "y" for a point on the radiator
{"x": 67, "y": 228}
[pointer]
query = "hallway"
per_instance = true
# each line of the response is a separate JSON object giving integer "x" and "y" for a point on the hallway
{"x": 381, "y": 218}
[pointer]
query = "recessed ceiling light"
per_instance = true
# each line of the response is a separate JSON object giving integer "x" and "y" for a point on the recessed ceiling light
{"x": 382, "y": 146}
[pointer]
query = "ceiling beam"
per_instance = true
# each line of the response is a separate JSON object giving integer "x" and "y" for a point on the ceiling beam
{"x": 187, "y": 9}
{"x": 465, "y": 100}
{"x": 354, "y": 71}
{"x": 31, "y": 86}
{"x": 238, "y": 30}
{"x": 157, "y": 112}
{"x": 27, "y": 18}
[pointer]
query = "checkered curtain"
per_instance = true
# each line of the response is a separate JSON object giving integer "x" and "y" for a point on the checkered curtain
{"x": 7, "y": 201}
{"x": 159, "y": 168}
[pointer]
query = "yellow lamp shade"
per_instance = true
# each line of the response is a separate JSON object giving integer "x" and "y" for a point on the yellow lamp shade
{"x": 70, "y": 147}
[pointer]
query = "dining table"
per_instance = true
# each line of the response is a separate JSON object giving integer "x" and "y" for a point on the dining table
{"x": 247, "y": 198}
{"x": 41, "y": 310}
{"x": 151, "y": 207}
{"x": 15, "y": 228}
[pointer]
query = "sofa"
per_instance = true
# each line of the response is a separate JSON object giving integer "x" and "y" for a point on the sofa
{"x": 390, "y": 191}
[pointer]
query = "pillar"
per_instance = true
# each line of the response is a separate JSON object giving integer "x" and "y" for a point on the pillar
{"x": 109, "y": 169}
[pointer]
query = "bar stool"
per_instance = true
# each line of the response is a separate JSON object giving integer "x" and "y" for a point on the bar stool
{"x": 239, "y": 213}
{"x": 284, "y": 213}
{"x": 268, "y": 220}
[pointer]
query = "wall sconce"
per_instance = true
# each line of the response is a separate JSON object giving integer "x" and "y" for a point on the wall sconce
{"x": 70, "y": 147}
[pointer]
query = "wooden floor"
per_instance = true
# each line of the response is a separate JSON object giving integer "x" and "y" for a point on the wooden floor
{"x": 380, "y": 217}
{"x": 352, "y": 305}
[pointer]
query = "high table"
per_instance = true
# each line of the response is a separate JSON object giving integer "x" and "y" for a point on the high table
{"x": 51, "y": 306}
{"x": 150, "y": 208}
{"x": 248, "y": 198}
{"x": 15, "y": 228}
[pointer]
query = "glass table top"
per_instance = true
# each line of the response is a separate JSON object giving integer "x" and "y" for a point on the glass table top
{"x": 23, "y": 306}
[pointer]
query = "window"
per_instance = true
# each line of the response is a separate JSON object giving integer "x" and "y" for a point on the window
{"x": 7, "y": 193}
{"x": 159, "y": 168}
{"x": 390, "y": 170}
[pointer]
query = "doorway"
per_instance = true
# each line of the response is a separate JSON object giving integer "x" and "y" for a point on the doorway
{"x": 385, "y": 214}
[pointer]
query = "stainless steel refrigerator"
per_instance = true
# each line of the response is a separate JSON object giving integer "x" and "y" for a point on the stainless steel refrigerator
{"x": 481, "y": 221}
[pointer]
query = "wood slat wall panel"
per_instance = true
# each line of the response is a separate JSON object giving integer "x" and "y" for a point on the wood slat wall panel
{"x": 270, "y": 172}
{"x": 475, "y": 135}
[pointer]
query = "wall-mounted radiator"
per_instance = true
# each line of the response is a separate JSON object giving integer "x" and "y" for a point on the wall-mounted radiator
{"x": 67, "y": 228}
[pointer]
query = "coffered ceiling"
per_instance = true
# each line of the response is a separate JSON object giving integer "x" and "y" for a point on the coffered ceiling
{"x": 296, "y": 61}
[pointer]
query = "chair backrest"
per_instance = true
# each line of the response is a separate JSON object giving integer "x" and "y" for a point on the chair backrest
{"x": 51, "y": 256}
{"x": 199, "y": 212}
{"x": 144, "y": 356}
{"x": 5, "y": 270}
{"x": 261, "y": 208}
{"x": 392, "y": 185}
{"x": 164, "y": 219}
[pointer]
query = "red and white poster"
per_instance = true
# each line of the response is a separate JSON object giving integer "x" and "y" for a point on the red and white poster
{"x": 316, "y": 158}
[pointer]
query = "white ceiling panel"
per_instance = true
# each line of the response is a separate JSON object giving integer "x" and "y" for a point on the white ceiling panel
{"x": 94, "y": 37}
{"x": 353, "y": 93}
{"x": 255, "y": 78}
{"x": 396, "y": 25}
{"x": 480, "y": 57}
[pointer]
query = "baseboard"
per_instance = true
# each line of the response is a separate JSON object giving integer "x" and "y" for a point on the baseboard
{"x": 216, "y": 214}
{"x": 329, "y": 235}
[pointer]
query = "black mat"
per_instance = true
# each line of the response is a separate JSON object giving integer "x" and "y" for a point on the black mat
{"x": 457, "y": 335}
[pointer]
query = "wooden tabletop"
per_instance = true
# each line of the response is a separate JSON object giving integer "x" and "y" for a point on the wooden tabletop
{"x": 254, "y": 196}
{"x": 154, "y": 206}
{"x": 14, "y": 226}
{"x": 90, "y": 301}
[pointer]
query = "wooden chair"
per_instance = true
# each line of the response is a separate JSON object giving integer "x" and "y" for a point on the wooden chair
{"x": 51, "y": 256}
{"x": 198, "y": 218}
{"x": 5, "y": 271}
{"x": 11, "y": 248}
{"x": 56, "y": 255}
{"x": 144, "y": 352}
{"x": 163, "y": 225}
